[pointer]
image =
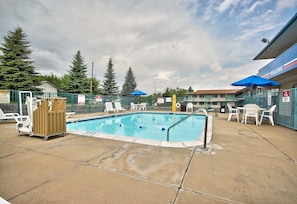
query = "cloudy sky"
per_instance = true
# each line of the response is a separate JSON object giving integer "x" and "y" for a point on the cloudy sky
{"x": 205, "y": 44}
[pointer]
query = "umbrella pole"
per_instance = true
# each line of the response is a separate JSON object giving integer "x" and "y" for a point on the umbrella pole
{"x": 252, "y": 88}
{"x": 251, "y": 99}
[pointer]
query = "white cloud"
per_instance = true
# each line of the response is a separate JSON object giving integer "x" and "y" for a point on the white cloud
{"x": 168, "y": 43}
{"x": 216, "y": 67}
{"x": 283, "y": 4}
{"x": 226, "y": 4}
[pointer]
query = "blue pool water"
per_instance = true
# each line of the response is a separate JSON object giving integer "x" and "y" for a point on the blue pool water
{"x": 146, "y": 125}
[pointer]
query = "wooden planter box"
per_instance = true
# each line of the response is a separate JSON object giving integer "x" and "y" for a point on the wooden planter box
{"x": 49, "y": 119}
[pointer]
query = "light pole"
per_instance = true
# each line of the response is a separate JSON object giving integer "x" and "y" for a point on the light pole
{"x": 265, "y": 40}
{"x": 91, "y": 87}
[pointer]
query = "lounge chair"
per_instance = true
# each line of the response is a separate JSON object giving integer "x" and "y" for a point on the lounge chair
{"x": 109, "y": 107}
{"x": 268, "y": 114}
{"x": 251, "y": 111}
{"x": 8, "y": 116}
{"x": 190, "y": 107}
{"x": 68, "y": 114}
{"x": 118, "y": 106}
{"x": 232, "y": 111}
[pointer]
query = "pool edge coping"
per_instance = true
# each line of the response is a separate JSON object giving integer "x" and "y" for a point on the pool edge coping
{"x": 144, "y": 141}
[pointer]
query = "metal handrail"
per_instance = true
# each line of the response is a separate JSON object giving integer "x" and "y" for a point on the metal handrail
{"x": 200, "y": 109}
{"x": 176, "y": 124}
{"x": 205, "y": 127}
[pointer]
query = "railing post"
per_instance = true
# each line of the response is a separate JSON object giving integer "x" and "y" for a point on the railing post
{"x": 205, "y": 134}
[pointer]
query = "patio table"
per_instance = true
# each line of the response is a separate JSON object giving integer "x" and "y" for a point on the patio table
{"x": 139, "y": 106}
{"x": 241, "y": 110}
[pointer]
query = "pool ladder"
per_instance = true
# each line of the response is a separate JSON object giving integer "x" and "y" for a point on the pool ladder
{"x": 185, "y": 118}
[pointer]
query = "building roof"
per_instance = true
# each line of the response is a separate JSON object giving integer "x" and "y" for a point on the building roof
{"x": 42, "y": 83}
{"x": 217, "y": 91}
{"x": 286, "y": 38}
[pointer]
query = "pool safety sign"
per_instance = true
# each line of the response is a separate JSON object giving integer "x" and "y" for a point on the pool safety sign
{"x": 81, "y": 99}
{"x": 286, "y": 96}
{"x": 4, "y": 96}
{"x": 98, "y": 98}
{"x": 160, "y": 100}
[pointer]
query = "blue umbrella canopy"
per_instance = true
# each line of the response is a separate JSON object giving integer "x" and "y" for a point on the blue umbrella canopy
{"x": 138, "y": 93}
{"x": 255, "y": 81}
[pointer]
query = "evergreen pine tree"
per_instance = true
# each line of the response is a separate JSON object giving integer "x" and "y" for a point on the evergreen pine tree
{"x": 190, "y": 89}
{"x": 109, "y": 84}
{"x": 77, "y": 76}
{"x": 129, "y": 85}
{"x": 16, "y": 70}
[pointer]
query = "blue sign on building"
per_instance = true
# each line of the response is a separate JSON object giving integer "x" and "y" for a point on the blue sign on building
{"x": 283, "y": 63}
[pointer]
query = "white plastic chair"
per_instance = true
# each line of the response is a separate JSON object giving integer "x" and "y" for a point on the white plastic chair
{"x": 251, "y": 111}
{"x": 109, "y": 107}
{"x": 269, "y": 115}
{"x": 190, "y": 107}
{"x": 232, "y": 111}
{"x": 118, "y": 106}
{"x": 143, "y": 106}
{"x": 133, "y": 106}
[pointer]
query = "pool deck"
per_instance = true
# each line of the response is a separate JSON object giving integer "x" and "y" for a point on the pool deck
{"x": 243, "y": 164}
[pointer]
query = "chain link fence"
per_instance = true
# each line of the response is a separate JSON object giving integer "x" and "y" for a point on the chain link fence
{"x": 82, "y": 103}
{"x": 285, "y": 114}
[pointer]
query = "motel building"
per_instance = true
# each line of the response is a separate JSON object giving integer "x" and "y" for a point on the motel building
{"x": 282, "y": 49}
{"x": 212, "y": 99}
{"x": 283, "y": 68}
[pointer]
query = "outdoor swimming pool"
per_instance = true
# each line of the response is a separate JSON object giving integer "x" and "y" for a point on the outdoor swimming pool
{"x": 151, "y": 126}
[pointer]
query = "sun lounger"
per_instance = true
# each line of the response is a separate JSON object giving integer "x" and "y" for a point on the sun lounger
{"x": 109, "y": 107}
{"x": 68, "y": 114}
{"x": 7, "y": 116}
{"x": 118, "y": 106}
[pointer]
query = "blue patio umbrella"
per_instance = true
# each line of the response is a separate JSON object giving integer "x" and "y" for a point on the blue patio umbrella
{"x": 138, "y": 93}
{"x": 253, "y": 81}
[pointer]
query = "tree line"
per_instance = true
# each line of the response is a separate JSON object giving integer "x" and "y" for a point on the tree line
{"x": 18, "y": 73}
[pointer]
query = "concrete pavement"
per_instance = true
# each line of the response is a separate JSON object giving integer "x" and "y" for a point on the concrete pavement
{"x": 244, "y": 164}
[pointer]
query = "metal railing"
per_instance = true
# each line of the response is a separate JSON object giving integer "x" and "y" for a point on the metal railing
{"x": 185, "y": 118}
{"x": 205, "y": 127}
